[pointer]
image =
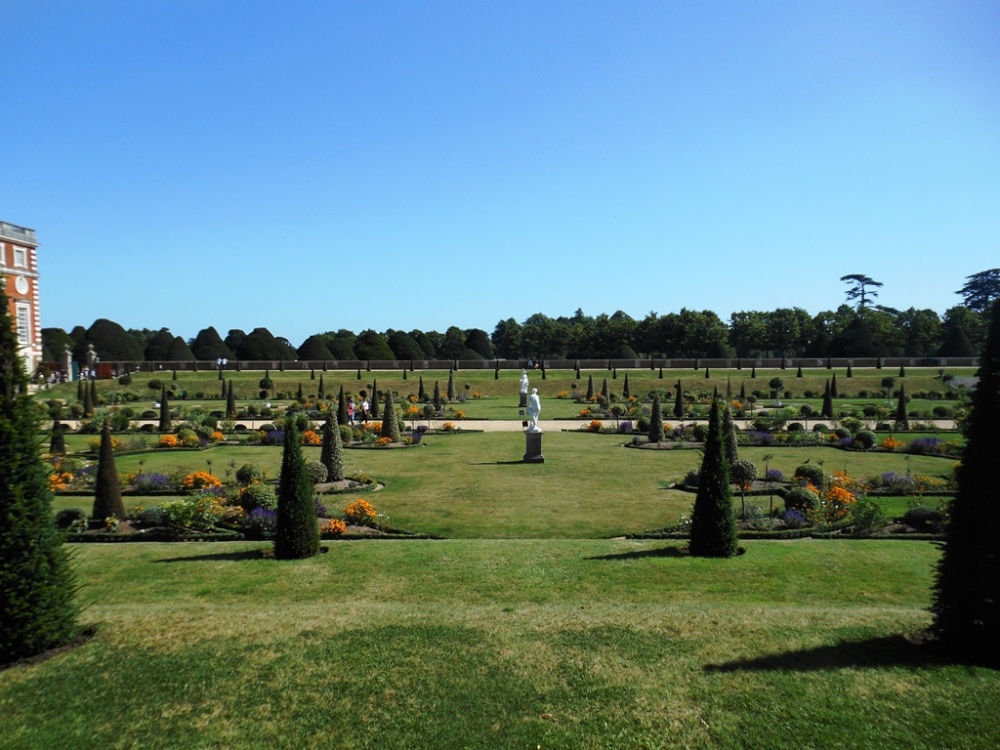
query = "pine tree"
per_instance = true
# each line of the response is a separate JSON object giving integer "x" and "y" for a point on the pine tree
{"x": 729, "y": 435}
{"x": 331, "y": 454}
{"x": 451, "y": 385}
{"x": 107, "y": 490}
{"x": 296, "y": 533}
{"x": 679, "y": 402}
{"x": 827, "y": 410}
{"x": 342, "y": 407}
{"x": 390, "y": 424}
{"x": 374, "y": 410}
{"x": 164, "y": 425}
{"x": 901, "y": 417}
{"x": 230, "y": 402}
{"x": 38, "y": 608}
{"x": 713, "y": 521}
{"x": 967, "y": 588}
{"x": 656, "y": 422}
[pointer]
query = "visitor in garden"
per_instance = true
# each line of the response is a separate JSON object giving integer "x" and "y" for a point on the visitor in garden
{"x": 350, "y": 410}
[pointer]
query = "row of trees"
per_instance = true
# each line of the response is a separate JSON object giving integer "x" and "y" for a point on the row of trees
{"x": 864, "y": 330}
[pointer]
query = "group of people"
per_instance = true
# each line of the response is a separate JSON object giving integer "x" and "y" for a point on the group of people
{"x": 351, "y": 409}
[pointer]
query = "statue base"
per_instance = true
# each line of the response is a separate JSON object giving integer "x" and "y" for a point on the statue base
{"x": 523, "y": 402}
{"x": 533, "y": 448}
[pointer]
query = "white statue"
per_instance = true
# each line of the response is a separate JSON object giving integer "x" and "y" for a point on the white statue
{"x": 524, "y": 382}
{"x": 534, "y": 409}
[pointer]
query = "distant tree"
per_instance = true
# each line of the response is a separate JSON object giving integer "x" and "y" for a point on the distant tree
{"x": 296, "y": 533}
{"x": 342, "y": 349}
{"x": 901, "y": 416}
{"x": 88, "y": 398}
{"x": 404, "y": 346}
{"x": 38, "y": 608}
{"x": 623, "y": 351}
{"x": 179, "y": 351}
{"x": 233, "y": 340}
{"x": 479, "y": 341}
{"x": 260, "y": 344}
{"x": 390, "y": 423}
{"x": 425, "y": 343}
{"x": 158, "y": 346}
{"x": 372, "y": 345}
{"x": 967, "y": 588}
{"x": 421, "y": 393}
{"x": 331, "y": 453}
{"x": 981, "y": 290}
{"x": 54, "y": 343}
{"x": 656, "y": 422}
{"x": 956, "y": 343}
{"x": 107, "y": 490}
{"x": 861, "y": 288}
{"x": 437, "y": 396}
{"x": 856, "y": 340}
{"x": 506, "y": 339}
{"x": 470, "y": 355}
{"x": 777, "y": 386}
{"x": 208, "y": 346}
{"x": 321, "y": 390}
{"x": 834, "y": 391}
{"x": 604, "y": 388}
{"x": 111, "y": 342}
{"x": 57, "y": 438}
{"x": 713, "y": 521}
{"x": 230, "y": 402}
{"x": 314, "y": 348}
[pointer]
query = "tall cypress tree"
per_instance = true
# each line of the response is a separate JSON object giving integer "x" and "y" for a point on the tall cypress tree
{"x": 827, "y": 410}
{"x": 590, "y": 387}
{"x": 437, "y": 396}
{"x": 656, "y": 421}
{"x": 626, "y": 391}
{"x": 729, "y": 435}
{"x": 604, "y": 388}
{"x": 967, "y": 588}
{"x": 678, "y": 402}
{"x": 421, "y": 393}
{"x": 342, "y": 406}
{"x": 834, "y": 391}
{"x": 321, "y": 393}
{"x": 713, "y": 520}
{"x": 331, "y": 454}
{"x": 296, "y": 533}
{"x": 88, "y": 401}
{"x": 373, "y": 411}
{"x": 38, "y": 607}
{"x": 390, "y": 425}
{"x": 451, "y": 385}
{"x": 107, "y": 491}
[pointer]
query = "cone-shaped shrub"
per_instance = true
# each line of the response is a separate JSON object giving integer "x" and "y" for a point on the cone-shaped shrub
{"x": 901, "y": 419}
{"x": 678, "y": 402}
{"x": 729, "y": 434}
{"x": 834, "y": 391}
{"x": 656, "y": 421}
{"x": 107, "y": 491}
{"x": 713, "y": 520}
{"x": 230, "y": 402}
{"x": 341, "y": 407}
{"x": 421, "y": 393}
{"x": 827, "y": 410}
{"x": 604, "y": 388}
{"x": 38, "y": 607}
{"x": 299, "y": 394}
{"x": 626, "y": 391}
{"x": 296, "y": 533}
{"x": 164, "y": 425}
{"x": 57, "y": 440}
{"x": 850, "y": 372}
{"x": 590, "y": 387}
{"x": 88, "y": 402}
{"x": 321, "y": 392}
{"x": 753, "y": 371}
{"x": 451, "y": 385}
{"x": 390, "y": 424}
{"x": 967, "y": 589}
{"x": 374, "y": 410}
{"x": 902, "y": 371}
{"x": 331, "y": 454}
{"x": 79, "y": 390}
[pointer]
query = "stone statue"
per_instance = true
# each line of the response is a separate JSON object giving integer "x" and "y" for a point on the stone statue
{"x": 534, "y": 409}
{"x": 524, "y": 382}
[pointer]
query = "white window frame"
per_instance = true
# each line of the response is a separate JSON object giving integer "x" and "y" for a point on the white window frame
{"x": 22, "y": 311}
{"x": 3, "y": 255}
{"x": 20, "y": 257}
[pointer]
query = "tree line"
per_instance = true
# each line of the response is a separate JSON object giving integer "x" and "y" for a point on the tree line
{"x": 861, "y": 330}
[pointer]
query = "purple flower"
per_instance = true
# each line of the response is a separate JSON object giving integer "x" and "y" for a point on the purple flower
{"x": 926, "y": 445}
{"x": 152, "y": 482}
{"x": 774, "y": 475}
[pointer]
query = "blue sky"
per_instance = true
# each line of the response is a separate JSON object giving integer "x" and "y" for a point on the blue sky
{"x": 312, "y": 166}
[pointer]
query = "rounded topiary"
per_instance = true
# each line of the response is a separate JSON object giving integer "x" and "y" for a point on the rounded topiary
{"x": 843, "y": 432}
{"x": 249, "y": 474}
{"x": 801, "y": 499}
{"x": 317, "y": 471}
{"x": 743, "y": 472}
{"x": 812, "y": 473}
{"x": 699, "y": 432}
{"x": 864, "y": 439}
{"x": 924, "y": 518}
{"x": 68, "y": 516}
{"x": 259, "y": 496}
{"x": 346, "y": 433}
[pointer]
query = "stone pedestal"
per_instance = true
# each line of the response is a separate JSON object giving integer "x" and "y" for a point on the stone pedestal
{"x": 533, "y": 448}
{"x": 523, "y": 401}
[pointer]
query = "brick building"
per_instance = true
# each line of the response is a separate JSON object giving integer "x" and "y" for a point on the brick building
{"x": 19, "y": 269}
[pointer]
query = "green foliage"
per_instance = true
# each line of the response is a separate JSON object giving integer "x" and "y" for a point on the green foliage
{"x": 249, "y": 474}
{"x": 656, "y": 422}
{"x": 38, "y": 607}
{"x": 713, "y": 522}
{"x": 742, "y": 473}
{"x": 801, "y": 499}
{"x": 209, "y": 346}
{"x": 729, "y": 436}
{"x": 809, "y": 472}
{"x": 390, "y": 422}
{"x": 296, "y": 534}
{"x": 198, "y": 512}
{"x": 107, "y": 490}
{"x": 867, "y": 516}
{"x": 332, "y": 451}
{"x": 258, "y": 496}
{"x": 373, "y": 410}
{"x": 317, "y": 471}
{"x": 864, "y": 439}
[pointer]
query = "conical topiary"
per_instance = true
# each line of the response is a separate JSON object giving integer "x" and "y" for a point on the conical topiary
{"x": 230, "y": 401}
{"x": 342, "y": 407}
{"x": 679, "y": 402}
{"x": 107, "y": 490}
{"x": 164, "y": 425}
{"x": 374, "y": 410}
{"x": 451, "y": 385}
{"x": 827, "y": 410}
{"x": 729, "y": 434}
{"x": 296, "y": 533}
{"x": 656, "y": 421}
{"x": 390, "y": 424}
{"x": 331, "y": 453}
{"x": 713, "y": 520}
{"x": 902, "y": 419}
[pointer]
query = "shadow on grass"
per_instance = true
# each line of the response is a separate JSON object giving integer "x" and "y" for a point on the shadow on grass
{"x": 637, "y": 554}
{"x": 500, "y": 463}
{"x": 915, "y": 652}
{"x": 248, "y": 554}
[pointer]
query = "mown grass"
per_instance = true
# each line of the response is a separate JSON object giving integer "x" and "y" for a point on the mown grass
{"x": 502, "y": 643}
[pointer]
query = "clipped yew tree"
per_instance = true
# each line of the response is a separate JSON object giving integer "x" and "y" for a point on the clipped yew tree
{"x": 107, "y": 490}
{"x": 967, "y": 588}
{"x": 729, "y": 435}
{"x": 331, "y": 454}
{"x": 656, "y": 421}
{"x": 713, "y": 520}
{"x": 390, "y": 424}
{"x": 38, "y": 608}
{"x": 296, "y": 534}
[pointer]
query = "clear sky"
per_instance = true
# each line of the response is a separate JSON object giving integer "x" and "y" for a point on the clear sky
{"x": 314, "y": 165}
